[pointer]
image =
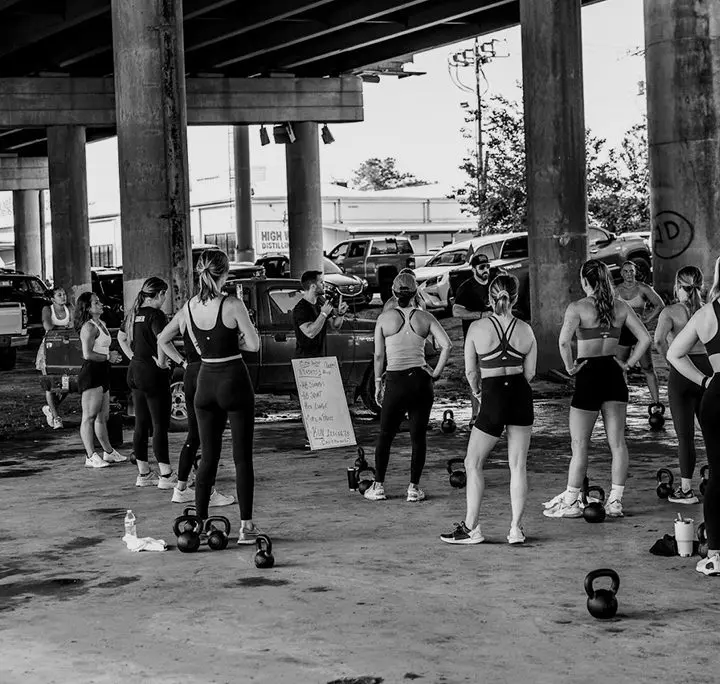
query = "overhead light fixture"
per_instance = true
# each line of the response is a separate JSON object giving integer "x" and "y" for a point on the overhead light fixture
{"x": 264, "y": 137}
{"x": 283, "y": 134}
{"x": 327, "y": 136}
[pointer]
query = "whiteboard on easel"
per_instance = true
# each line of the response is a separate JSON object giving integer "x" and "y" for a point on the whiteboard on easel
{"x": 322, "y": 400}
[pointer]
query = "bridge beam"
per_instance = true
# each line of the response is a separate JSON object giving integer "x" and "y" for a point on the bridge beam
{"x": 23, "y": 173}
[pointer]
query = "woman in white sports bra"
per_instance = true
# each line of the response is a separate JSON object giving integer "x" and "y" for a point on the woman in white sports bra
{"x": 94, "y": 380}
{"x": 55, "y": 316}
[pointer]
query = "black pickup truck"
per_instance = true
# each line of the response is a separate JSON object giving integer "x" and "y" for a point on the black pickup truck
{"x": 270, "y": 303}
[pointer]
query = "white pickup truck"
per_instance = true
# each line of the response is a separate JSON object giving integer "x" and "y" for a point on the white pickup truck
{"x": 13, "y": 332}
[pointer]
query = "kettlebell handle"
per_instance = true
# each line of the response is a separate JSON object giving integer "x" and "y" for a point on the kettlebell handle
{"x": 656, "y": 408}
{"x": 197, "y": 524}
{"x": 602, "y": 572}
{"x": 705, "y": 469}
{"x": 448, "y": 414}
{"x": 664, "y": 472}
{"x": 452, "y": 462}
{"x": 263, "y": 540}
{"x": 189, "y": 510}
{"x": 701, "y": 534}
{"x": 220, "y": 519}
{"x": 593, "y": 488}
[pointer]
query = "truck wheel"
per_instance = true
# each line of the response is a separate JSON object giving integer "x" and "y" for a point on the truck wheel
{"x": 8, "y": 357}
{"x": 178, "y": 407}
{"x": 644, "y": 273}
{"x": 367, "y": 393}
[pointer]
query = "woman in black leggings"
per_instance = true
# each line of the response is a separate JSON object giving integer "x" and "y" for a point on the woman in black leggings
{"x": 400, "y": 336}
{"x": 220, "y": 328}
{"x": 704, "y": 327}
{"x": 684, "y": 396}
{"x": 148, "y": 377}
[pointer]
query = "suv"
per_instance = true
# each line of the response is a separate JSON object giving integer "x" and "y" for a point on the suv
{"x": 29, "y": 290}
{"x": 377, "y": 259}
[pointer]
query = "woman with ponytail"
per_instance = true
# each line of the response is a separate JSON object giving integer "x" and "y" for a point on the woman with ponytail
{"x": 400, "y": 336}
{"x": 501, "y": 350}
{"x": 596, "y": 321}
{"x": 704, "y": 328}
{"x": 149, "y": 381}
{"x": 684, "y": 396}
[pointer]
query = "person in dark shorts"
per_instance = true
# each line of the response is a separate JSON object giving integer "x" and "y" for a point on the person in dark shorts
{"x": 502, "y": 350}
{"x": 94, "y": 380}
{"x": 704, "y": 328}
{"x": 596, "y": 321}
{"x": 684, "y": 396}
{"x": 311, "y": 315}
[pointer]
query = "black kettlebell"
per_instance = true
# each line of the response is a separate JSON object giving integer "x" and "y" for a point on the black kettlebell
{"x": 594, "y": 511}
{"x": 458, "y": 478}
{"x": 665, "y": 483}
{"x": 702, "y": 540}
{"x": 264, "y": 558}
{"x": 602, "y": 603}
{"x": 656, "y": 416}
{"x": 187, "y": 529}
{"x": 704, "y": 477}
{"x": 360, "y": 461}
{"x": 364, "y": 483}
{"x": 217, "y": 539}
{"x": 448, "y": 425}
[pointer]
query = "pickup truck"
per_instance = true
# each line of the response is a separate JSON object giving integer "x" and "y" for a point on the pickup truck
{"x": 13, "y": 332}
{"x": 377, "y": 259}
{"x": 270, "y": 303}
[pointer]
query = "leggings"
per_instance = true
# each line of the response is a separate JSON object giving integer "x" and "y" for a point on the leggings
{"x": 188, "y": 454}
{"x": 224, "y": 391}
{"x": 684, "y": 398}
{"x": 150, "y": 388}
{"x": 709, "y": 411}
{"x": 408, "y": 391}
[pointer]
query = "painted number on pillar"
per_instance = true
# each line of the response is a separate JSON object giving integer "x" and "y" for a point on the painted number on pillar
{"x": 672, "y": 234}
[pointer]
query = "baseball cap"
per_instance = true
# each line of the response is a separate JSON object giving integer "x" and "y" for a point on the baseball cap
{"x": 479, "y": 258}
{"x": 404, "y": 283}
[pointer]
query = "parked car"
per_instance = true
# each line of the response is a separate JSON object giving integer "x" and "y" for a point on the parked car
{"x": 376, "y": 259}
{"x": 30, "y": 291}
{"x": 354, "y": 290}
{"x": 13, "y": 332}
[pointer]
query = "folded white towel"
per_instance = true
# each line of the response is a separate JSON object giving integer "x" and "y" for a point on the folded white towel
{"x": 144, "y": 543}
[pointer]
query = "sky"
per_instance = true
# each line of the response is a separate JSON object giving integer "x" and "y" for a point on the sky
{"x": 418, "y": 119}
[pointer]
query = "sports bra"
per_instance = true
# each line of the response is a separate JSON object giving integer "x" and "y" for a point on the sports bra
{"x": 59, "y": 322}
{"x": 637, "y": 302}
{"x": 102, "y": 341}
{"x": 220, "y": 342}
{"x": 405, "y": 349}
{"x": 712, "y": 346}
{"x": 602, "y": 332}
{"x": 504, "y": 355}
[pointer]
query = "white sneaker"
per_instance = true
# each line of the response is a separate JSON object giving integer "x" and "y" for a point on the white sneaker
{"x": 167, "y": 481}
{"x": 516, "y": 536}
{"x": 415, "y": 494}
{"x": 183, "y": 496}
{"x": 560, "y": 509}
{"x": 709, "y": 566}
{"x": 48, "y": 415}
{"x": 148, "y": 480}
{"x": 95, "y": 462}
{"x": 114, "y": 457}
{"x": 375, "y": 492}
{"x": 462, "y": 535}
{"x": 217, "y": 499}
{"x": 57, "y": 424}
{"x": 614, "y": 508}
{"x": 248, "y": 535}
{"x": 554, "y": 501}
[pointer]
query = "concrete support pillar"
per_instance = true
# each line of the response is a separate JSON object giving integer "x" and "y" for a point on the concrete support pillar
{"x": 682, "y": 61}
{"x": 28, "y": 235}
{"x": 152, "y": 145}
{"x": 244, "y": 229}
{"x": 555, "y": 149}
{"x": 302, "y": 159}
{"x": 70, "y": 231}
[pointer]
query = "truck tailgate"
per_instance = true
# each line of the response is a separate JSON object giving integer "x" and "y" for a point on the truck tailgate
{"x": 11, "y": 319}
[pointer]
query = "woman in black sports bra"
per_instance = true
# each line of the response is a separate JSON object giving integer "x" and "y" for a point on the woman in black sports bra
{"x": 600, "y": 385}
{"x": 704, "y": 327}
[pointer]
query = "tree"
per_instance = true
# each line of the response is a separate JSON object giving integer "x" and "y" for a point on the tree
{"x": 382, "y": 174}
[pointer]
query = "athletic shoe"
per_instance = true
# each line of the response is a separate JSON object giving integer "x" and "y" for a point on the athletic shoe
{"x": 462, "y": 535}
{"x": 415, "y": 495}
{"x": 57, "y": 424}
{"x": 148, "y": 480}
{"x": 375, "y": 492}
{"x": 709, "y": 566}
{"x": 516, "y": 536}
{"x": 560, "y": 509}
{"x": 167, "y": 481}
{"x": 554, "y": 501}
{"x": 614, "y": 508}
{"x": 248, "y": 535}
{"x": 114, "y": 457}
{"x": 48, "y": 415}
{"x": 217, "y": 499}
{"x": 683, "y": 497}
{"x": 95, "y": 462}
{"x": 183, "y": 496}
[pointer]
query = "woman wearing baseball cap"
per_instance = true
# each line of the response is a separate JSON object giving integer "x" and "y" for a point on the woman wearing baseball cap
{"x": 400, "y": 336}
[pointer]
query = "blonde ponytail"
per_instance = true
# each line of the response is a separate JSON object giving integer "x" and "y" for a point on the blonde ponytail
{"x": 212, "y": 265}
{"x": 598, "y": 277}
{"x": 504, "y": 294}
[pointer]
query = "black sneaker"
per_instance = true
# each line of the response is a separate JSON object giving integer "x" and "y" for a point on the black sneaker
{"x": 462, "y": 535}
{"x": 682, "y": 497}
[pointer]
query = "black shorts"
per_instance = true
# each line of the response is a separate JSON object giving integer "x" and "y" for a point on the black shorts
{"x": 599, "y": 380}
{"x": 505, "y": 400}
{"x": 147, "y": 377}
{"x": 627, "y": 339}
{"x": 94, "y": 374}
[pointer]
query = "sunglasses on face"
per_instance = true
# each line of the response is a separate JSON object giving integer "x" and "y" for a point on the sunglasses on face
{"x": 483, "y": 267}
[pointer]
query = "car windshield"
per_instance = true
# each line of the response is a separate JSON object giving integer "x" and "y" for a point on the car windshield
{"x": 450, "y": 258}
{"x": 112, "y": 286}
{"x": 330, "y": 267}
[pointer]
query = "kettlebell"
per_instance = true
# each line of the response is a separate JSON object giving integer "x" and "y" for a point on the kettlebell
{"x": 365, "y": 484}
{"x": 594, "y": 511}
{"x": 187, "y": 529}
{"x": 217, "y": 539}
{"x": 264, "y": 558}
{"x": 458, "y": 479}
{"x": 448, "y": 425}
{"x": 360, "y": 461}
{"x": 656, "y": 416}
{"x": 704, "y": 477}
{"x": 602, "y": 603}
{"x": 702, "y": 540}
{"x": 665, "y": 482}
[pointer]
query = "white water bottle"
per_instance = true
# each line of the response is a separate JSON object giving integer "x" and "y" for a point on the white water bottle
{"x": 130, "y": 528}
